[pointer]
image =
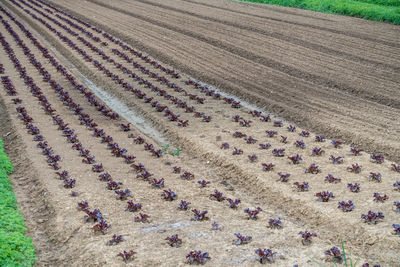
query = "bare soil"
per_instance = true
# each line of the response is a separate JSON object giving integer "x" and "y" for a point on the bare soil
{"x": 328, "y": 74}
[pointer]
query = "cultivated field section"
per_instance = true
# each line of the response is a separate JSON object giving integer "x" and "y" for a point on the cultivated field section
{"x": 169, "y": 133}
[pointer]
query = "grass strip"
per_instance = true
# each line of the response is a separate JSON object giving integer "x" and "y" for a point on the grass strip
{"x": 16, "y": 249}
{"x": 377, "y": 10}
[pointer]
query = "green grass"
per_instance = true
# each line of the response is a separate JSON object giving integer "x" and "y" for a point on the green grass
{"x": 15, "y": 248}
{"x": 378, "y": 10}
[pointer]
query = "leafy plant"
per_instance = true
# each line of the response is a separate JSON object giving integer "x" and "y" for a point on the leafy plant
{"x": 250, "y": 140}
{"x": 253, "y": 213}
{"x": 242, "y": 239}
{"x": 237, "y": 151}
{"x": 275, "y": 223}
{"x": 291, "y": 128}
{"x": 336, "y": 143}
{"x": 377, "y": 177}
{"x": 354, "y": 168}
{"x": 380, "y": 198}
{"x": 157, "y": 183}
{"x": 314, "y": 169}
{"x": 378, "y": 158}
{"x": 278, "y": 152}
{"x": 265, "y": 255}
{"x": 123, "y": 194}
{"x": 203, "y": 183}
{"x": 176, "y": 169}
{"x": 132, "y": 207}
{"x": 335, "y": 255}
{"x": 271, "y": 133}
{"x": 372, "y": 217}
{"x": 200, "y": 215}
{"x": 215, "y": 226}
{"x": 396, "y": 229}
{"x": 225, "y": 146}
{"x": 218, "y": 196}
{"x": 265, "y": 146}
{"x": 396, "y": 204}
{"x": 143, "y": 218}
{"x": 296, "y": 159}
{"x": 346, "y": 206}
{"x": 112, "y": 185}
{"x": 169, "y": 195}
{"x": 233, "y": 204}
{"x": 396, "y": 185}
{"x": 305, "y": 133}
{"x": 127, "y": 256}
{"x": 324, "y": 196}
{"x": 267, "y": 166}
{"x": 174, "y": 241}
{"x": 283, "y": 177}
{"x": 115, "y": 239}
{"x": 300, "y": 144}
{"x": 396, "y": 168}
{"x": 69, "y": 183}
{"x": 102, "y": 226}
{"x": 197, "y": 257}
{"x": 307, "y": 237}
{"x": 83, "y": 205}
{"x": 320, "y": 138}
{"x": 355, "y": 188}
{"x": 317, "y": 151}
{"x": 253, "y": 157}
{"x": 336, "y": 160}
{"x": 302, "y": 187}
{"x": 355, "y": 151}
{"x": 331, "y": 179}
{"x": 183, "y": 205}
{"x": 187, "y": 175}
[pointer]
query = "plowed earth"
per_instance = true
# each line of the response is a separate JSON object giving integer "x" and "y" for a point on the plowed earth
{"x": 331, "y": 75}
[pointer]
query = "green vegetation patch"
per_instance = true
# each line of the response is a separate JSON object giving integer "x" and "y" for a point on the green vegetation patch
{"x": 15, "y": 248}
{"x": 378, "y": 10}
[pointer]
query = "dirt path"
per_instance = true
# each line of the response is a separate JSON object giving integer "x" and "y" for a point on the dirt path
{"x": 234, "y": 175}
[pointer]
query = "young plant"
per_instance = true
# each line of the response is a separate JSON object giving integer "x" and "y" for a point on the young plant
{"x": 267, "y": 166}
{"x": 336, "y": 143}
{"x": 115, "y": 239}
{"x": 314, "y": 169}
{"x": 187, "y": 175}
{"x": 335, "y": 255}
{"x": 372, "y": 217}
{"x": 169, "y": 195}
{"x": 127, "y": 256}
{"x": 102, "y": 226}
{"x": 336, "y": 160}
{"x": 197, "y": 257}
{"x": 320, "y": 138}
{"x": 354, "y": 168}
{"x": 123, "y": 194}
{"x": 253, "y": 157}
{"x": 112, "y": 185}
{"x": 183, "y": 205}
{"x": 63, "y": 175}
{"x": 237, "y": 151}
{"x": 396, "y": 204}
{"x": 97, "y": 167}
{"x": 242, "y": 239}
{"x": 278, "y": 123}
{"x": 377, "y": 177}
{"x": 275, "y": 223}
{"x": 355, "y": 151}
{"x": 305, "y": 133}
{"x": 252, "y": 213}
{"x": 295, "y": 159}
{"x": 143, "y": 218}
{"x": 317, "y": 151}
{"x": 132, "y": 207}
{"x": 355, "y": 188}
{"x": 346, "y": 206}
{"x": 176, "y": 169}
{"x": 233, "y": 204}
{"x": 203, "y": 183}
{"x": 283, "y": 139}
{"x": 291, "y": 128}
{"x": 307, "y": 237}
{"x": 302, "y": 187}
{"x": 265, "y": 255}
{"x": 271, "y": 133}
{"x": 300, "y": 144}
{"x": 69, "y": 183}
{"x": 250, "y": 140}
{"x": 396, "y": 229}
{"x": 200, "y": 215}
{"x": 396, "y": 186}
{"x": 225, "y": 146}
{"x": 380, "y": 198}
{"x": 215, "y": 226}
{"x": 218, "y": 196}
{"x": 157, "y": 183}
{"x": 174, "y": 241}
{"x": 239, "y": 135}
{"x": 324, "y": 196}
{"x": 83, "y": 205}
{"x": 105, "y": 177}
{"x": 93, "y": 216}
{"x": 378, "y": 158}
{"x": 265, "y": 146}
{"x": 396, "y": 168}
{"x": 331, "y": 179}
{"x": 283, "y": 177}
{"x": 278, "y": 152}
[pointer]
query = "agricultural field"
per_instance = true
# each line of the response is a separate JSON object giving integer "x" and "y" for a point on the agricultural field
{"x": 173, "y": 133}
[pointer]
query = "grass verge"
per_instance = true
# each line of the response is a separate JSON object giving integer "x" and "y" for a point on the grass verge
{"x": 16, "y": 249}
{"x": 378, "y": 10}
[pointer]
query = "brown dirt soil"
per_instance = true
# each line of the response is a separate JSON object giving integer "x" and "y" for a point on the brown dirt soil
{"x": 343, "y": 84}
